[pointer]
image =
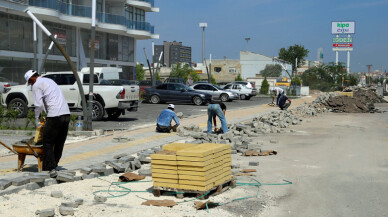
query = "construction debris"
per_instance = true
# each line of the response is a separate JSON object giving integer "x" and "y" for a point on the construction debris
{"x": 204, "y": 205}
{"x": 167, "y": 203}
{"x": 249, "y": 170}
{"x": 128, "y": 177}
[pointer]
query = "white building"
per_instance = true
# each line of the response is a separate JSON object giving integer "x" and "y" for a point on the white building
{"x": 120, "y": 23}
{"x": 253, "y": 63}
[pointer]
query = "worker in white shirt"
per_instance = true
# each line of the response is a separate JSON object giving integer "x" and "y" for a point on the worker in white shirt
{"x": 48, "y": 97}
{"x": 277, "y": 92}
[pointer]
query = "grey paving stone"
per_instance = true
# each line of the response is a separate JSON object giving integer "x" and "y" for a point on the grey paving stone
{"x": 90, "y": 176}
{"x": 12, "y": 190}
{"x": 34, "y": 185}
{"x": 254, "y": 146}
{"x": 5, "y": 184}
{"x": 79, "y": 201}
{"x": 50, "y": 181}
{"x": 118, "y": 167}
{"x": 37, "y": 178}
{"x": 85, "y": 170}
{"x": 254, "y": 163}
{"x": 56, "y": 194}
{"x": 108, "y": 171}
{"x": 125, "y": 159}
{"x": 45, "y": 212}
{"x": 100, "y": 199}
{"x": 137, "y": 164}
{"x": 77, "y": 178}
{"x": 22, "y": 180}
{"x": 99, "y": 168}
{"x": 234, "y": 151}
{"x": 144, "y": 160}
{"x": 235, "y": 166}
{"x": 70, "y": 204}
{"x": 66, "y": 210}
{"x": 120, "y": 155}
{"x": 273, "y": 141}
{"x": 67, "y": 172}
{"x": 65, "y": 177}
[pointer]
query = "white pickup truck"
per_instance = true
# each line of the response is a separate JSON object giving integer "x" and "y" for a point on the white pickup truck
{"x": 113, "y": 100}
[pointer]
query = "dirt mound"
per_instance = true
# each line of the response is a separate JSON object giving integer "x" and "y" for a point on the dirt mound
{"x": 362, "y": 101}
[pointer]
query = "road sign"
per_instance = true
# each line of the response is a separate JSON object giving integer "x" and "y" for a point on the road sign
{"x": 343, "y": 40}
{"x": 342, "y": 45}
{"x": 342, "y": 27}
{"x": 342, "y": 49}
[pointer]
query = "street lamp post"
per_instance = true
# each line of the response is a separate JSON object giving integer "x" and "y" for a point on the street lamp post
{"x": 203, "y": 26}
{"x": 247, "y": 39}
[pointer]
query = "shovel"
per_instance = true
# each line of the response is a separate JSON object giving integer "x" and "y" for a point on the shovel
{"x": 8, "y": 148}
{"x": 35, "y": 154}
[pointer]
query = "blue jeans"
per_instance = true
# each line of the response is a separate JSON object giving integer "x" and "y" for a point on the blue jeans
{"x": 215, "y": 109}
{"x": 277, "y": 99}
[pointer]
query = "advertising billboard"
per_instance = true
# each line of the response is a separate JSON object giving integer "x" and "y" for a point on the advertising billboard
{"x": 342, "y": 27}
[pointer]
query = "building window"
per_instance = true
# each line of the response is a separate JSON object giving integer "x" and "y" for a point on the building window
{"x": 232, "y": 69}
{"x": 217, "y": 69}
{"x": 100, "y": 49}
{"x": 65, "y": 36}
{"x": 16, "y": 33}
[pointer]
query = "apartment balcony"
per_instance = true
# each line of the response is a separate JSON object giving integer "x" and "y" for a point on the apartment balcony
{"x": 84, "y": 11}
{"x": 146, "y": 5}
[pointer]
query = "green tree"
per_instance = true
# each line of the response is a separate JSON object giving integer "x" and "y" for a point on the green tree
{"x": 293, "y": 52}
{"x": 238, "y": 77}
{"x": 271, "y": 70}
{"x": 324, "y": 77}
{"x": 194, "y": 75}
{"x": 180, "y": 71}
{"x": 213, "y": 80}
{"x": 157, "y": 76}
{"x": 139, "y": 72}
{"x": 264, "y": 86}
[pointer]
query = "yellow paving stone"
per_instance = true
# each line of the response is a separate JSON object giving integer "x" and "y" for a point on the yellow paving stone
{"x": 177, "y": 146}
{"x": 164, "y": 155}
{"x": 195, "y": 163}
{"x": 188, "y": 158}
{"x": 197, "y": 173}
{"x": 164, "y": 171}
{"x": 163, "y": 166}
{"x": 165, "y": 176}
{"x": 201, "y": 150}
{"x": 164, "y": 162}
{"x": 174, "y": 181}
{"x": 201, "y": 178}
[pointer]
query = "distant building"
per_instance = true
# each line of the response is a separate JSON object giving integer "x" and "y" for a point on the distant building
{"x": 173, "y": 52}
{"x": 306, "y": 65}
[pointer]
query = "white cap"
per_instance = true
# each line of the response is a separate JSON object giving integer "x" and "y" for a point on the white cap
{"x": 28, "y": 75}
{"x": 271, "y": 88}
{"x": 171, "y": 106}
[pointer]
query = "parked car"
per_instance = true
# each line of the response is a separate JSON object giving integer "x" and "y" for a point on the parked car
{"x": 243, "y": 91}
{"x": 176, "y": 92}
{"x": 201, "y": 82}
{"x": 216, "y": 92}
{"x": 174, "y": 80}
{"x": 249, "y": 84}
{"x": 5, "y": 84}
{"x": 146, "y": 84}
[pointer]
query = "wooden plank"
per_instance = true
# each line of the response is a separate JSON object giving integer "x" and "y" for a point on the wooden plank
{"x": 166, "y": 185}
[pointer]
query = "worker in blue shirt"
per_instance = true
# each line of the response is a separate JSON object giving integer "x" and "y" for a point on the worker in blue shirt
{"x": 163, "y": 124}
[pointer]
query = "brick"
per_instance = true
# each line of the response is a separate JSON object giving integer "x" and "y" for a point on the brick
{"x": 41, "y": 174}
{"x": 234, "y": 151}
{"x": 118, "y": 167}
{"x": 45, "y": 212}
{"x": 145, "y": 172}
{"x": 235, "y": 166}
{"x": 120, "y": 155}
{"x": 100, "y": 199}
{"x": 12, "y": 190}
{"x": 108, "y": 171}
{"x": 125, "y": 159}
{"x": 50, "y": 181}
{"x": 85, "y": 170}
{"x": 79, "y": 201}
{"x": 144, "y": 160}
{"x": 98, "y": 168}
{"x": 137, "y": 164}
{"x": 65, "y": 177}
{"x": 34, "y": 185}
{"x": 90, "y": 176}
{"x": 67, "y": 172}
{"x": 56, "y": 194}
{"x": 20, "y": 181}
{"x": 70, "y": 204}
{"x": 66, "y": 210}
{"x": 4, "y": 184}
{"x": 254, "y": 146}
{"x": 37, "y": 178}
{"x": 254, "y": 163}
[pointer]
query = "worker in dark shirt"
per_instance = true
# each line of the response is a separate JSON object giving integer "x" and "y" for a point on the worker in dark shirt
{"x": 283, "y": 105}
{"x": 216, "y": 109}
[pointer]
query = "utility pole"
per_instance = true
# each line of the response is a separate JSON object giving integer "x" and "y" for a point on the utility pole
{"x": 203, "y": 26}
{"x": 369, "y": 67}
{"x": 34, "y": 65}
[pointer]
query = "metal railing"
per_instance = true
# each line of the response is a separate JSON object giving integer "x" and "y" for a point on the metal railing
{"x": 84, "y": 11}
{"x": 152, "y": 2}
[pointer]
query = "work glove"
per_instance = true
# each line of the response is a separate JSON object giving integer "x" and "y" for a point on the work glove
{"x": 38, "y": 124}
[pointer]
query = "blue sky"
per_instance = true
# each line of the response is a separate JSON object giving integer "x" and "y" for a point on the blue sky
{"x": 271, "y": 25}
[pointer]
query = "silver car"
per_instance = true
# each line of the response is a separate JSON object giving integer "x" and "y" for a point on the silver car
{"x": 216, "y": 92}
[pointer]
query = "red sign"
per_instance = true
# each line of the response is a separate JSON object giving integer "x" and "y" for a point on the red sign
{"x": 342, "y": 45}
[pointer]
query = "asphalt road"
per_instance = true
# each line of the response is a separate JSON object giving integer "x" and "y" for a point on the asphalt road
{"x": 148, "y": 113}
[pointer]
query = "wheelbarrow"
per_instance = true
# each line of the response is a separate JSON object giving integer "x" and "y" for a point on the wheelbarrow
{"x": 22, "y": 150}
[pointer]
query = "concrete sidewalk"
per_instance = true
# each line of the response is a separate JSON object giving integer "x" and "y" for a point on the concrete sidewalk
{"x": 101, "y": 148}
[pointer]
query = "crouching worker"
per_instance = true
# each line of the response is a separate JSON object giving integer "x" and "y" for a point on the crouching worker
{"x": 213, "y": 110}
{"x": 283, "y": 105}
{"x": 163, "y": 124}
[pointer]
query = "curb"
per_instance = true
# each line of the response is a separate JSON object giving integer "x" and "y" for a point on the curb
{"x": 97, "y": 132}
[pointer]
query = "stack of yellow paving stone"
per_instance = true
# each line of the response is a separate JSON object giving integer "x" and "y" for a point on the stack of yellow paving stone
{"x": 197, "y": 167}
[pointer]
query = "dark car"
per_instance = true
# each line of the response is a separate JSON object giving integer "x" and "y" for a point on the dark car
{"x": 174, "y": 80}
{"x": 146, "y": 84}
{"x": 176, "y": 92}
